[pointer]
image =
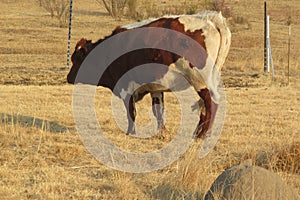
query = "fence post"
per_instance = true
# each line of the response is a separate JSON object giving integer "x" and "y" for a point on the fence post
{"x": 289, "y": 51}
{"x": 268, "y": 44}
{"x": 269, "y": 50}
{"x": 70, "y": 34}
{"x": 265, "y": 38}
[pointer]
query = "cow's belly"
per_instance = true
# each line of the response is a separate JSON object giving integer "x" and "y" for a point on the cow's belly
{"x": 179, "y": 77}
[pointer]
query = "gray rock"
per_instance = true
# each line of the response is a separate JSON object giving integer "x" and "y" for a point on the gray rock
{"x": 249, "y": 182}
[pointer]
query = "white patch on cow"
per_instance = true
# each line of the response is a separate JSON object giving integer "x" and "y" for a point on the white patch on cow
{"x": 132, "y": 87}
{"x": 192, "y": 23}
{"x": 197, "y": 21}
{"x": 171, "y": 81}
{"x": 136, "y": 25}
{"x": 148, "y": 21}
{"x": 123, "y": 94}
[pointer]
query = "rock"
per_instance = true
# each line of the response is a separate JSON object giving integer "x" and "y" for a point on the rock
{"x": 250, "y": 182}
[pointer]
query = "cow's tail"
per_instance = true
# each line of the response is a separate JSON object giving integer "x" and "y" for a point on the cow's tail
{"x": 221, "y": 25}
{"x": 225, "y": 40}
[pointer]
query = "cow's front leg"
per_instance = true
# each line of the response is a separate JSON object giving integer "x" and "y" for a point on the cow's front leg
{"x": 158, "y": 108}
{"x": 131, "y": 114}
{"x": 207, "y": 119}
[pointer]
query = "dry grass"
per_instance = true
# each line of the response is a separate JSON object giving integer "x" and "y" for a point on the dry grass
{"x": 261, "y": 122}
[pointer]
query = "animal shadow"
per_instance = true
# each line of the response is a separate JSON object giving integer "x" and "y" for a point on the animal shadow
{"x": 29, "y": 121}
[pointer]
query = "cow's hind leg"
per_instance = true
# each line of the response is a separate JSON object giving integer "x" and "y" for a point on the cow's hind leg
{"x": 131, "y": 114}
{"x": 158, "y": 108}
{"x": 207, "y": 119}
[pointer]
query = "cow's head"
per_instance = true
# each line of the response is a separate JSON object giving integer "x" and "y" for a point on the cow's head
{"x": 82, "y": 49}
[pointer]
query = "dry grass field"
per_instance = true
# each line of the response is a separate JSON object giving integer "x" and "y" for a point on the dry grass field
{"x": 37, "y": 162}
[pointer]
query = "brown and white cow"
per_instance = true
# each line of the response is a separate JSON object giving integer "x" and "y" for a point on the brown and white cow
{"x": 207, "y": 28}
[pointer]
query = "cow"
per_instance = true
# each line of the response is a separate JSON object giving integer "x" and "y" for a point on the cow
{"x": 207, "y": 28}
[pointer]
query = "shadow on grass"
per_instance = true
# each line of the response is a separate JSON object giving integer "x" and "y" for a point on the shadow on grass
{"x": 167, "y": 192}
{"x": 91, "y": 13}
{"x": 29, "y": 121}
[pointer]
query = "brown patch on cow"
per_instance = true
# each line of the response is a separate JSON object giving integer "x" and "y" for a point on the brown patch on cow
{"x": 206, "y": 119}
{"x": 174, "y": 24}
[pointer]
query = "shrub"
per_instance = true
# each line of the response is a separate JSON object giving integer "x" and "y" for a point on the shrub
{"x": 218, "y": 5}
{"x": 115, "y": 8}
{"x": 240, "y": 20}
{"x": 141, "y": 9}
{"x": 57, "y": 9}
{"x": 191, "y": 9}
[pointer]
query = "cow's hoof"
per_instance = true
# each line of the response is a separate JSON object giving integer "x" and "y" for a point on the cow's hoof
{"x": 130, "y": 132}
{"x": 201, "y": 130}
{"x": 162, "y": 133}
